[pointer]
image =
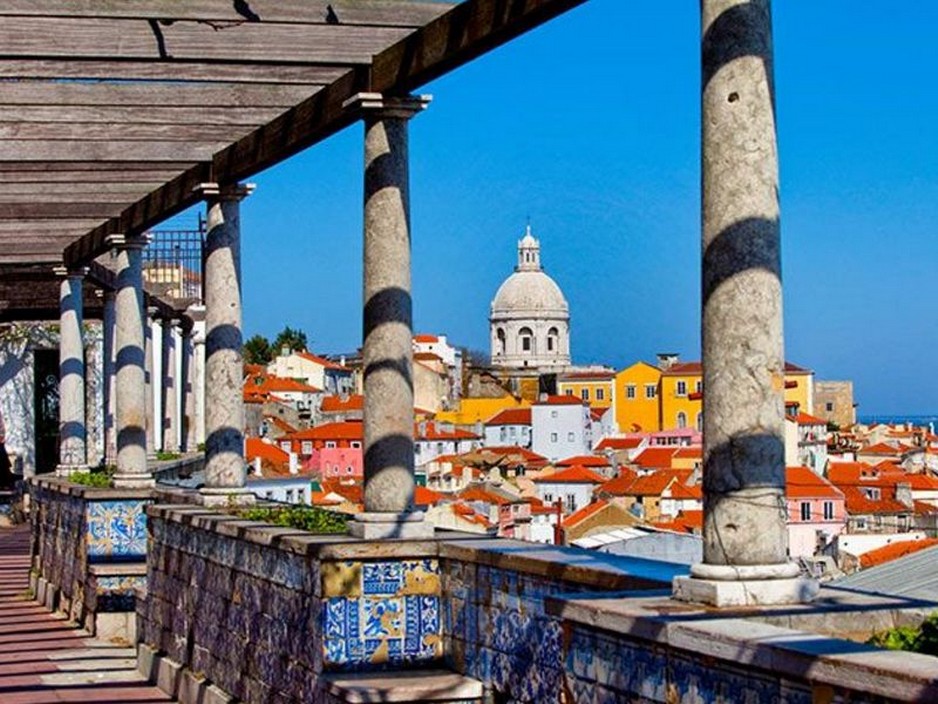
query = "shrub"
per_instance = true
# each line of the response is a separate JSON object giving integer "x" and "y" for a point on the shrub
{"x": 922, "y": 639}
{"x": 315, "y": 520}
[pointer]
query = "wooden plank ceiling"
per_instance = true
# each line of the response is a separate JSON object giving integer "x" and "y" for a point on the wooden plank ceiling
{"x": 113, "y": 111}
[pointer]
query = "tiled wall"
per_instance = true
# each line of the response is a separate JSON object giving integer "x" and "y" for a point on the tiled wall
{"x": 116, "y": 530}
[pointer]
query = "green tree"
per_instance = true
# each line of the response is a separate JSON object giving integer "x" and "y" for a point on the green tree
{"x": 257, "y": 350}
{"x": 293, "y": 340}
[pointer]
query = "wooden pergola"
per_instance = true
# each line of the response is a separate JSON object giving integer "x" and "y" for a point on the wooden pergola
{"x": 114, "y": 111}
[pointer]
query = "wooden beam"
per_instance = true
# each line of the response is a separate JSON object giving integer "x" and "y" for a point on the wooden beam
{"x": 157, "y": 115}
{"x": 268, "y": 73}
{"x": 21, "y": 211}
{"x": 27, "y": 150}
{"x": 26, "y": 167}
{"x": 237, "y": 95}
{"x": 153, "y": 178}
{"x": 77, "y": 189}
{"x": 395, "y": 13}
{"x": 469, "y": 30}
{"x": 40, "y": 227}
{"x": 117, "y": 132}
{"x": 72, "y": 38}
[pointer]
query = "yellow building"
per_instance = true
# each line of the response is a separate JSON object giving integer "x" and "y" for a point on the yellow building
{"x": 479, "y": 410}
{"x": 680, "y": 396}
{"x": 799, "y": 388}
{"x": 636, "y": 398}
{"x": 596, "y": 388}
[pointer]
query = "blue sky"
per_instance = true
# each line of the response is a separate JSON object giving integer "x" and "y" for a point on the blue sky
{"x": 590, "y": 126}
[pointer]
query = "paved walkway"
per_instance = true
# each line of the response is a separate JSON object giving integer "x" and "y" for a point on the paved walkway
{"x": 45, "y": 659}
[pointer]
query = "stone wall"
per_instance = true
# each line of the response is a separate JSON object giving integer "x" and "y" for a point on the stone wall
{"x": 89, "y": 552}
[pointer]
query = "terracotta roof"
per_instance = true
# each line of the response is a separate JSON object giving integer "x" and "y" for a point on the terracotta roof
{"x": 584, "y": 376}
{"x": 680, "y": 490}
{"x": 275, "y": 384}
{"x": 802, "y": 483}
{"x": 509, "y": 450}
{"x": 427, "y": 357}
{"x": 322, "y": 361}
{"x": 426, "y": 497}
{"x": 431, "y": 432}
{"x": 880, "y": 448}
{"x": 689, "y": 453}
{"x": 584, "y": 513}
{"x": 858, "y": 504}
{"x": 475, "y": 493}
{"x": 467, "y": 514}
{"x": 655, "y": 483}
{"x": 655, "y": 457}
{"x": 427, "y": 339}
{"x": 353, "y": 493}
{"x": 561, "y": 401}
{"x": 619, "y": 444}
{"x": 281, "y": 424}
{"x": 805, "y": 419}
{"x": 795, "y": 369}
{"x": 619, "y": 485}
{"x": 684, "y": 522}
{"x": 894, "y": 550}
{"x": 511, "y": 416}
{"x": 584, "y": 461}
{"x": 685, "y": 368}
{"x": 572, "y": 475}
{"x": 346, "y": 430}
{"x": 336, "y": 404}
{"x": 256, "y": 447}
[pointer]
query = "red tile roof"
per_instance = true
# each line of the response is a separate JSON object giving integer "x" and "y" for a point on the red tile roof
{"x": 689, "y": 453}
{"x": 655, "y": 483}
{"x": 346, "y": 430}
{"x": 572, "y": 475}
{"x": 880, "y": 448}
{"x": 584, "y": 376}
{"x": 281, "y": 424}
{"x": 618, "y": 444}
{"x": 511, "y": 416}
{"x": 426, "y": 497}
{"x": 584, "y": 513}
{"x": 275, "y": 384}
{"x": 353, "y": 493}
{"x": 256, "y": 447}
{"x": 893, "y": 551}
{"x": 584, "y": 461}
{"x": 427, "y": 339}
{"x": 475, "y": 493}
{"x": 431, "y": 432}
{"x": 562, "y": 401}
{"x": 337, "y": 404}
{"x": 858, "y": 504}
{"x": 619, "y": 485}
{"x": 802, "y": 483}
{"x": 655, "y": 457}
{"x": 322, "y": 361}
{"x": 684, "y": 522}
{"x": 805, "y": 419}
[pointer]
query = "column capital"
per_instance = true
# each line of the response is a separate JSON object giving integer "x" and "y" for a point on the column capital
{"x": 382, "y": 106}
{"x": 71, "y": 271}
{"x": 120, "y": 240}
{"x": 216, "y": 191}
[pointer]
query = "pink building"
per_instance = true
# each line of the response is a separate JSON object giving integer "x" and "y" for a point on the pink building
{"x": 337, "y": 462}
{"x": 816, "y": 511}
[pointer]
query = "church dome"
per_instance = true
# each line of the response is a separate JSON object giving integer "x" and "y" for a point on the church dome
{"x": 526, "y": 292}
{"x": 530, "y": 318}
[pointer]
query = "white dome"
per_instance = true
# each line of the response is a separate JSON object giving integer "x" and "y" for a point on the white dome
{"x": 529, "y": 293}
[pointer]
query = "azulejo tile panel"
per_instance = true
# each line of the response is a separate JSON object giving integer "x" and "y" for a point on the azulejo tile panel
{"x": 116, "y": 529}
{"x": 390, "y": 613}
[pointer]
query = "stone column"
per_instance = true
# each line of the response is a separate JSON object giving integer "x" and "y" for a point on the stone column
{"x": 745, "y": 538}
{"x": 149, "y": 349}
{"x": 130, "y": 377}
{"x": 72, "y": 428}
{"x": 388, "y": 334}
{"x": 110, "y": 331}
{"x": 94, "y": 392}
{"x": 224, "y": 402}
{"x": 187, "y": 440}
{"x": 169, "y": 404}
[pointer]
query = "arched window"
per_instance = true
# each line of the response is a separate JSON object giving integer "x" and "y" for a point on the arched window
{"x": 552, "y": 339}
{"x": 499, "y": 342}
{"x": 682, "y": 420}
{"x": 700, "y": 422}
{"x": 526, "y": 338}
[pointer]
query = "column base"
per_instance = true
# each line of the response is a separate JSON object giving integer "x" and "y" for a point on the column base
{"x": 409, "y": 525}
{"x": 745, "y": 585}
{"x": 226, "y": 496}
{"x": 133, "y": 481}
{"x": 67, "y": 470}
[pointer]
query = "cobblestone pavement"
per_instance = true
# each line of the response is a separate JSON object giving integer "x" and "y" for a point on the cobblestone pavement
{"x": 45, "y": 659}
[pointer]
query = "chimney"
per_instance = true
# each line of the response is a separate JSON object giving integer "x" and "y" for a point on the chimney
{"x": 904, "y": 494}
{"x": 666, "y": 360}
{"x": 257, "y": 466}
{"x": 294, "y": 464}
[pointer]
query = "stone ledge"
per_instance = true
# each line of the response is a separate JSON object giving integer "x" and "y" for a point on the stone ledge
{"x": 415, "y": 686}
{"x": 61, "y": 485}
{"x": 738, "y": 637}
{"x": 118, "y": 569}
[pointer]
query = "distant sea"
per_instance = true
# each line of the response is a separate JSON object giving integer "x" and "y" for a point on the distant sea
{"x": 914, "y": 420}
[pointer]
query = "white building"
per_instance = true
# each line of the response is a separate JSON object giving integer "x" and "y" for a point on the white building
{"x": 561, "y": 427}
{"x": 509, "y": 428}
{"x": 315, "y": 371}
{"x": 530, "y": 318}
{"x": 574, "y": 486}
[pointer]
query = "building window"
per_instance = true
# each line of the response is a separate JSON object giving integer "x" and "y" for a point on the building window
{"x": 553, "y": 414}
{"x": 585, "y": 394}
{"x": 330, "y": 443}
{"x": 650, "y": 391}
{"x": 571, "y": 502}
{"x": 269, "y": 495}
{"x": 805, "y": 510}
{"x": 553, "y": 437}
{"x": 499, "y": 342}
{"x": 570, "y": 437}
{"x": 828, "y": 510}
{"x": 307, "y": 447}
{"x": 700, "y": 422}
{"x": 289, "y": 496}
{"x": 552, "y": 339}
{"x": 630, "y": 391}
{"x": 569, "y": 392}
{"x": 829, "y": 406}
{"x": 682, "y": 420}
{"x": 527, "y": 339}
{"x": 355, "y": 444}
{"x": 600, "y": 394}
{"x": 548, "y": 498}
{"x": 301, "y": 496}
{"x": 682, "y": 388}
